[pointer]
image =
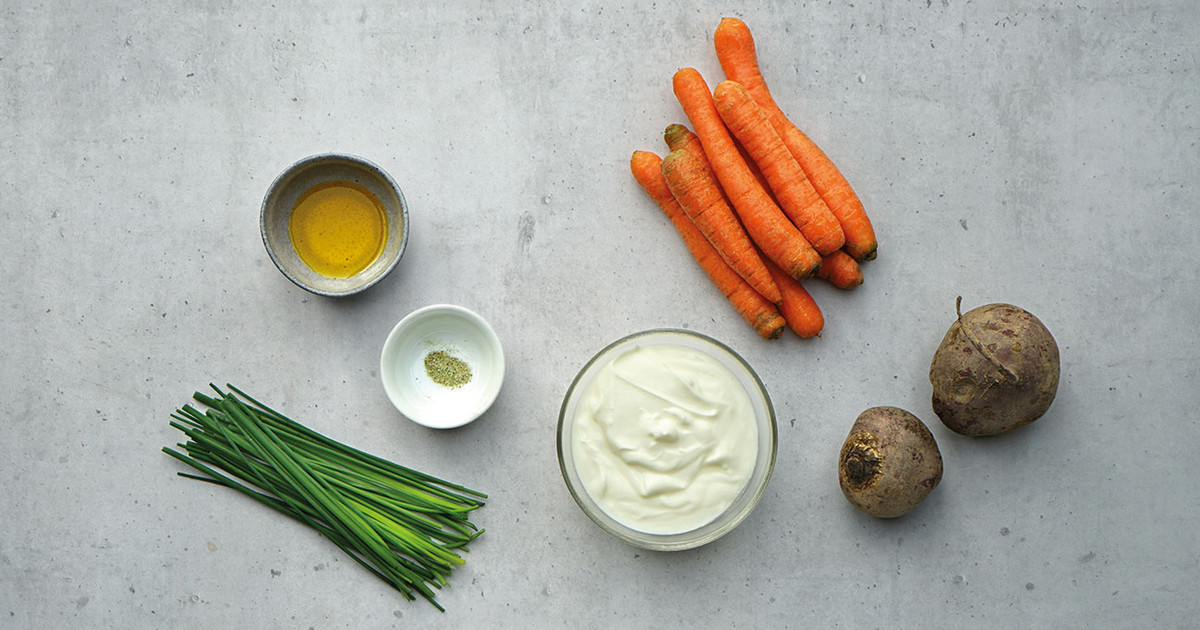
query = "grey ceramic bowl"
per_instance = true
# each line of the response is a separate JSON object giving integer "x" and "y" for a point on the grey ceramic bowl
{"x": 286, "y": 189}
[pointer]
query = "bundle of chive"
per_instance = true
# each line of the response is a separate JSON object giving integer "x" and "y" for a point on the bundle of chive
{"x": 402, "y": 525}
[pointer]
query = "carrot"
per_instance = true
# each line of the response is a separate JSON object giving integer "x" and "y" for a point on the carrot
{"x": 799, "y": 310}
{"x": 679, "y": 136}
{"x": 841, "y": 270}
{"x": 739, "y": 60}
{"x": 778, "y": 238}
{"x": 751, "y": 305}
{"x": 795, "y": 194}
{"x": 701, "y": 199}
{"x": 762, "y": 181}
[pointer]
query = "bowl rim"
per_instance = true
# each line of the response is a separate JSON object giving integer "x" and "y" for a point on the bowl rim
{"x": 742, "y": 505}
{"x": 491, "y": 394}
{"x": 314, "y": 160}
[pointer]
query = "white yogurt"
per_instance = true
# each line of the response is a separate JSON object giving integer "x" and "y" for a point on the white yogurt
{"x": 664, "y": 439}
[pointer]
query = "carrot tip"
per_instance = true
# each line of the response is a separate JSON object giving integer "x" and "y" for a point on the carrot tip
{"x": 862, "y": 255}
{"x": 773, "y": 328}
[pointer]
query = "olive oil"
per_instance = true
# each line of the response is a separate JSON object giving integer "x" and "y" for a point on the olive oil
{"x": 338, "y": 228}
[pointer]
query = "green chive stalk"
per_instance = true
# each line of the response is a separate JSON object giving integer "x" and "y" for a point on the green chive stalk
{"x": 403, "y": 525}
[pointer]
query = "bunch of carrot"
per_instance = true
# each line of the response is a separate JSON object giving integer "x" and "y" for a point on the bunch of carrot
{"x": 758, "y": 204}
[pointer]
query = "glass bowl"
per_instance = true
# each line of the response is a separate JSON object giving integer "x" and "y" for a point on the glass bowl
{"x": 750, "y": 495}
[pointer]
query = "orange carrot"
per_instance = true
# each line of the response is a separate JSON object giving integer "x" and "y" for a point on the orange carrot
{"x": 679, "y": 136}
{"x": 771, "y": 230}
{"x": 795, "y": 194}
{"x": 701, "y": 199}
{"x": 738, "y": 58}
{"x": 800, "y": 311}
{"x": 762, "y": 181}
{"x": 756, "y": 309}
{"x": 841, "y": 270}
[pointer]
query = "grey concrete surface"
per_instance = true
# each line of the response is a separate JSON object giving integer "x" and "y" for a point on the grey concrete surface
{"x": 1043, "y": 154}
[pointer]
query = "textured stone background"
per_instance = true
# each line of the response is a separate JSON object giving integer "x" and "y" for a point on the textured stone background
{"x": 1043, "y": 154}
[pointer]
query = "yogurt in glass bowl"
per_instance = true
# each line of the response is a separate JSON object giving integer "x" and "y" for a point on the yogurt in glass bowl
{"x": 667, "y": 439}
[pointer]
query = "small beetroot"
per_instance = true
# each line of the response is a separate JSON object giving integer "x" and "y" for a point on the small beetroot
{"x": 889, "y": 462}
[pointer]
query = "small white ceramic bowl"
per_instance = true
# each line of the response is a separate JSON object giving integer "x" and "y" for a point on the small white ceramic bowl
{"x": 458, "y": 332}
{"x": 764, "y": 416}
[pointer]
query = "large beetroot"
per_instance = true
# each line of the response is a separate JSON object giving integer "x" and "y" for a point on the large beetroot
{"x": 996, "y": 370}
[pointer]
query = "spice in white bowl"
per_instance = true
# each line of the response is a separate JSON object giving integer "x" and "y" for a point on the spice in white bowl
{"x": 447, "y": 370}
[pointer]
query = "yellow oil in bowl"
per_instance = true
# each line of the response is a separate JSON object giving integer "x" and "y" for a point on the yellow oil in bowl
{"x": 338, "y": 228}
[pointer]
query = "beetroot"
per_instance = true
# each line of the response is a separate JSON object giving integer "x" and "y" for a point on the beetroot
{"x": 997, "y": 369}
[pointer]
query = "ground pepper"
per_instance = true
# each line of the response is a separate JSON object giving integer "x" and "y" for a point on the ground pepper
{"x": 446, "y": 369}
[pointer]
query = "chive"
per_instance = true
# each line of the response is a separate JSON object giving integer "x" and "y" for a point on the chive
{"x": 402, "y": 525}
